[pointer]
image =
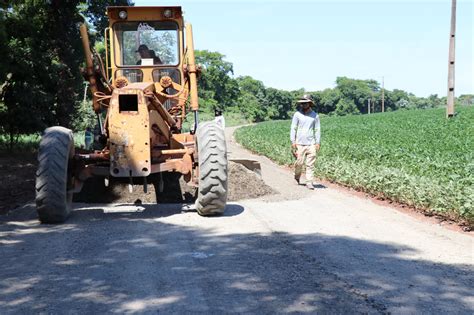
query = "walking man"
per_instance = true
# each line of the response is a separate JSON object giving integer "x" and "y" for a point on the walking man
{"x": 305, "y": 136}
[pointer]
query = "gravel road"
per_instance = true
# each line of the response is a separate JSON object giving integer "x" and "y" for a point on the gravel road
{"x": 298, "y": 251}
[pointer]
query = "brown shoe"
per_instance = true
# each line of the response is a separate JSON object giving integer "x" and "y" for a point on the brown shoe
{"x": 297, "y": 178}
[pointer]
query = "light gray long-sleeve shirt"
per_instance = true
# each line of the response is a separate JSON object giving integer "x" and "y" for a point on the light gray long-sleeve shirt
{"x": 305, "y": 128}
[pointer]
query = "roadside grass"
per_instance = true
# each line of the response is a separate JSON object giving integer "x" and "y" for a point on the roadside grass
{"x": 24, "y": 143}
{"x": 30, "y": 143}
{"x": 415, "y": 157}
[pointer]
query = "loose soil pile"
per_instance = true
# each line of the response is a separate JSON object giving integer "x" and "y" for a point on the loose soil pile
{"x": 18, "y": 186}
{"x": 243, "y": 184}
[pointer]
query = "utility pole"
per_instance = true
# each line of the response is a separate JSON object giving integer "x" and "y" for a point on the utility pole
{"x": 383, "y": 97}
{"x": 450, "y": 105}
{"x": 368, "y": 106}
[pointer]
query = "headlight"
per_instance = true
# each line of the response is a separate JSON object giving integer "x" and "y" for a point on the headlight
{"x": 123, "y": 15}
{"x": 167, "y": 13}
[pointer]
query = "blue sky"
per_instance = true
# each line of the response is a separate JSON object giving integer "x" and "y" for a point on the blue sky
{"x": 307, "y": 44}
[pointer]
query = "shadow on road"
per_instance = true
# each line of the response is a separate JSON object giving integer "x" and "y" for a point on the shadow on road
{"x": 101, "y": 262}
{"x": 84, "y": 212}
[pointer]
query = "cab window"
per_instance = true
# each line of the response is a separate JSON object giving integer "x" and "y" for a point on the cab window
{"x": 146, "y": 43}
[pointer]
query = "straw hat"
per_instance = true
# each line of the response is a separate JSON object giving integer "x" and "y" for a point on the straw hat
{"x": 305, "y": 99}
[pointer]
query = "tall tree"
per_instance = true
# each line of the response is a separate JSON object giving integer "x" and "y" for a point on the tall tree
{"x": 346, "y": 106}
{"x": 3, "y": 40}
{"x": 358, "y": 91}
{"x": 252, "y": 98}
{"x": 41, "y": 56}
{"x": 281, "y": 102}
{"x": 62, "y": 29}
{"x": 216, "y": 79}
{"x": 30, "y": 65}
{"x": 326, "y": 100}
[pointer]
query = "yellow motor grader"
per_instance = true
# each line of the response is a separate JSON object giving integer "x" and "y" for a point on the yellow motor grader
{"x": 141, "y": 94}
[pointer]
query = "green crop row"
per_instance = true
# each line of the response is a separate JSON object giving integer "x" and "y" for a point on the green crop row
{"x": 414, "y": 157}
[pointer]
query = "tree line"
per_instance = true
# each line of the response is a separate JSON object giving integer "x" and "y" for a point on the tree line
{"x": 41, "y": 83}
{"x": 246, "y": 95}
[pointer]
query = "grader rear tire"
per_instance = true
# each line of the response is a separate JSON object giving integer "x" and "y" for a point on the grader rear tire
{"x": 212, "y": 151}
{"x": 53, "y": 179}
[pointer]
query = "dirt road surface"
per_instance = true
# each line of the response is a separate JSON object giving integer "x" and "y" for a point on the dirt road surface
{"x": 299, "y": 251}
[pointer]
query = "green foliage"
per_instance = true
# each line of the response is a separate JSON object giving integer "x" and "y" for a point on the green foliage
{"x": 85, "y": 117}
{"x": 23, "y": 143}
{"x": 39, "y": 70}
{"x": 397, "y": 99}
{"x": 326, "y": 100}
{"x": 351, "y": 96}
{"x": 251, "y": 100}
{"x": 3, "y": 39}
{"x": 218, "y": 89}
{"x": 355, "y": 93}
{"x": 252, "y": 107}
{"x": 255, "y": 102}
{"x": 215, "y": 81}
{"x": 42, "y": 66}
{"x": 346, "y": 106}
{"x": 41, "y": 85}
{"x": 94, "y": 12}
{"x": 42, "y": 53}
{"x": 415, "y": 157}
{"x": 465, "y": 99}
{"x": 281, "y": 102}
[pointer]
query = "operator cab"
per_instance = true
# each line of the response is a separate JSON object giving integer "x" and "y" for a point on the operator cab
{"x": 145, "y": 43}
{"x": 142, "y": 42}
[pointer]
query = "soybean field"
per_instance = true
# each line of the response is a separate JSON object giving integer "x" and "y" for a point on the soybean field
{"x": 416, "y": 157}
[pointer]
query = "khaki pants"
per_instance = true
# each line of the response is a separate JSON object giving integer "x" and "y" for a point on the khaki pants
{"x": 307, "y": 152}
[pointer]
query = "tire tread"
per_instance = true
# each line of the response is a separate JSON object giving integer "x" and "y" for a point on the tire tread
{"x": 212, "y": 192}
{"x": 53, "y": 201}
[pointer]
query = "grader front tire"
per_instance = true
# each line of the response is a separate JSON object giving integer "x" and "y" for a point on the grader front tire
{"x": 53, "y": 180}
{"x": 212, "y": 191}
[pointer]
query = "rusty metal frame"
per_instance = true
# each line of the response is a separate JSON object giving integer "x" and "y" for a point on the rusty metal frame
{"x": 155, "y": 142}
